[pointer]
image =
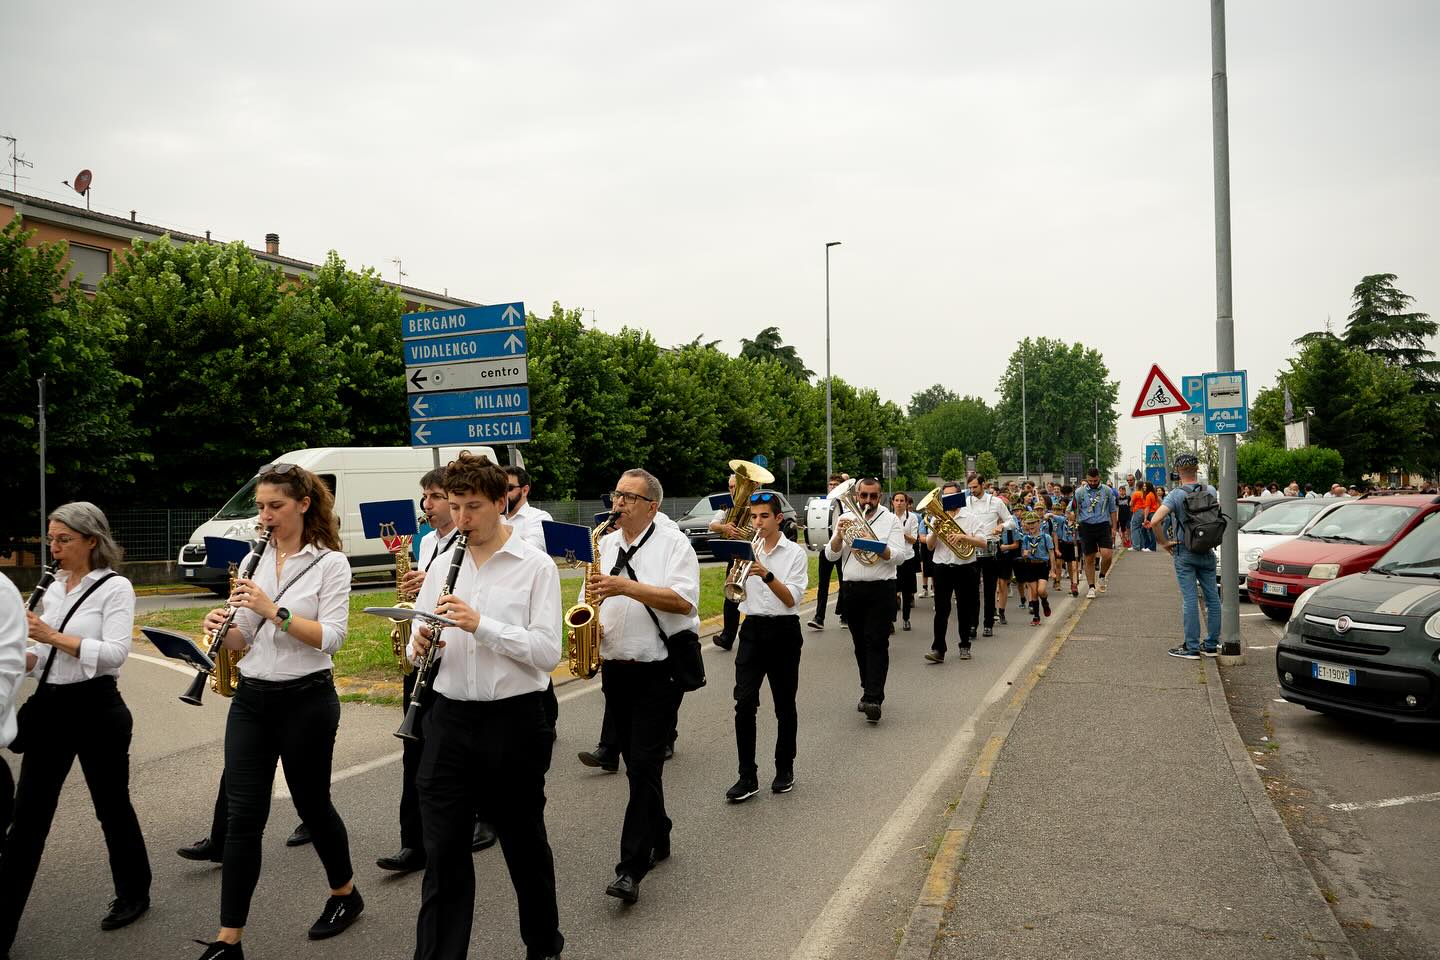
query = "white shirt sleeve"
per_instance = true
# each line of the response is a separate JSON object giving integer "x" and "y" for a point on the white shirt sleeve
{"x": 110, "y": 650}
{"x": 334, "y": 615}
{"x": 13, "y": 631}
{"x": 797, "y": 577}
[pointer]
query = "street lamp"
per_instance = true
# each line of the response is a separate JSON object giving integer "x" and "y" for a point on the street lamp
{"x": 829, "y": 443}
{"x": 1024, "y": 432}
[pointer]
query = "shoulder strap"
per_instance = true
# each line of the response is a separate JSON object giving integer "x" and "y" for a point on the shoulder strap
{"x": 624, "y": 563}
{"x": 50, "y": 661}
{"x": 308, "y": 568}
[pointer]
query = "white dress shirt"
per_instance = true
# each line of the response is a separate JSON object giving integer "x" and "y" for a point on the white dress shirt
{"x": 910, "y": 523}
{"x": 791, "y": 566}
{"x": 526, "y": 522}
{"x": 989, "y": 511}
{"x": 13, "y": 634}
{"x": 433, "y": 543}
{"x": 104, "y": 625}
{"x": 319, "y": 593}
{"x": 517, "y": 642}
{"x": 667, "y": 560}
{"x": 887, "y": 530}
{"x": 969, "y": 523}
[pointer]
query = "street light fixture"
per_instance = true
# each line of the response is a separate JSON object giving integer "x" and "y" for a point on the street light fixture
{"x": 829, "y": 442}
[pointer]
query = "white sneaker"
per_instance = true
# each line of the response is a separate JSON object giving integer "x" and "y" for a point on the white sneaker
{"x": 1090, "y": 594}
{"x": 1102, "y": 584}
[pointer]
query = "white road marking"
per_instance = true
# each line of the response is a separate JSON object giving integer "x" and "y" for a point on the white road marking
{"x": 1264, "y": 646}
{"x": 1252, "y": 614}
{"x": 161, "y": 662}
{"x": 826, "y": 936}
{"x": 1392, "y": 802}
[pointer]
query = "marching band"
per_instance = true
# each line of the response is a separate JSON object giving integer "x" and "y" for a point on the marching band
{"x": 484, "y": 635}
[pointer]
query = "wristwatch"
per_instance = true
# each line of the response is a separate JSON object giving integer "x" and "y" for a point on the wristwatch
{"x": 283, "y": 615}
{"x": 768, "y": 576}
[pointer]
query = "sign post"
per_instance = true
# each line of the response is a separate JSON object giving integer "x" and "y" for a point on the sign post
{"x": 466, "y": 378}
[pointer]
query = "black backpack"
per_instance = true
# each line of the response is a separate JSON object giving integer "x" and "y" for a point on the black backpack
{"x": 1204, "y": 523}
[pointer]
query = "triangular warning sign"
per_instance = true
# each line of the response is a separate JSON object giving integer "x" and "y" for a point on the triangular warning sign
{"x": 1159, "y": 396}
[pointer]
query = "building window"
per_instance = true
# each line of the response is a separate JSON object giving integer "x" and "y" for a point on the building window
{"x": 88, "y": 264}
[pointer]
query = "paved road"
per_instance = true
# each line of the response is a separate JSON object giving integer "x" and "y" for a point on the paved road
{"x": 830, "y": 870}
{"x": 1361, "y": 800}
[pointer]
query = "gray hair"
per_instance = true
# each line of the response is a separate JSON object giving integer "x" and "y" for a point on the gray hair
{"x": 653, "y": 490}
{"x": 87, "y": 520}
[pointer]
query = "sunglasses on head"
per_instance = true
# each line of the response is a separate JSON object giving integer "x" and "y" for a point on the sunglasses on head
{"x": 761, "y": 497}
{"x": 276, "y": 469}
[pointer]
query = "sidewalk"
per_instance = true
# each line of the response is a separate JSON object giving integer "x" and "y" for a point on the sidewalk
{"x": 1116, "y": 813}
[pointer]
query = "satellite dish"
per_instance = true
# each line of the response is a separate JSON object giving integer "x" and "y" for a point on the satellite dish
{"x": 82, "y": 182}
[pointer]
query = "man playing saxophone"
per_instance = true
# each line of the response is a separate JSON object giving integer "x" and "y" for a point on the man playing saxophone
{"x": 870, "y": 586}
{"x": 488, "y": 736}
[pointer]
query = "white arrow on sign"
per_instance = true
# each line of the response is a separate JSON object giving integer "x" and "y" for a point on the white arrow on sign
{"x": 510, "y": 315}
{"x": 512, "y": 343}
{"x": 420, "y": 406}
{"x": 422, "y": 432}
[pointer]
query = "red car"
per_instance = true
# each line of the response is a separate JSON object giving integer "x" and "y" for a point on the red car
{"x": 1347, "y": 539}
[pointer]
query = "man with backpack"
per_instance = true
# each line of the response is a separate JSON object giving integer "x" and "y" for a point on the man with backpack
{"x": 1199, "y": 528}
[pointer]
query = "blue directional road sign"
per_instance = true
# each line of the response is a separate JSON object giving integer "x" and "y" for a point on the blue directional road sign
{"x": 1227, "y": 406}
{"x": 1192, "y": 388}
{"x": 437, "y": 433}
{"x": 468, "y": 346}
{"x": 469, "y": 403}
{"x": 441, "y": 323}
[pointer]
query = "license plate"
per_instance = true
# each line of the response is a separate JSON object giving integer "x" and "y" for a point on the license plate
{"x": 190, "y": 573}
{"x": 1273, "y": 589}
{"x": 1332, "y": 672}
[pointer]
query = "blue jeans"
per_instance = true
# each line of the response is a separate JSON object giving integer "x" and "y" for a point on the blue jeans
{"x": 1137, "y": 530}
{"x": 1192, "y": 569}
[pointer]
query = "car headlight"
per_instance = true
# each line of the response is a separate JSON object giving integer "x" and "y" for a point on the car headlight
{"x": 1300, "y": 602}
{"x": 1432, "y": 627}
{"x": 1252, "y": 555}
{"x": 1325, "y": 571}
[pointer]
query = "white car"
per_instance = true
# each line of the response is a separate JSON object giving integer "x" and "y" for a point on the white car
{"x": 1278, "y": 522}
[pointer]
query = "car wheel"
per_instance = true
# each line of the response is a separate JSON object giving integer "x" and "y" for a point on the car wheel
{"x": 1278, "y": 614}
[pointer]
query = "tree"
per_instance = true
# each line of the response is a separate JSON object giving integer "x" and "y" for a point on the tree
{"x": 966, "y": 423}
{"x": 1063, "y": 382}
{"x": 930, "y": 398}
{"x": 1207, "y": 449}
{"x": 767, "y": 345}
{"x": 952, "y": 466}
{"x": 47, "y": 329}
{"x": 986, "y": 465}
{"x": 1382, "y": 324}
{"x": 1261, "y": 462}
{"x": 234, "y": 371}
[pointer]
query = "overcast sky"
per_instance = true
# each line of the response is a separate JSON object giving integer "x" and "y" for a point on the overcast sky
{"x": 992, "y": 170}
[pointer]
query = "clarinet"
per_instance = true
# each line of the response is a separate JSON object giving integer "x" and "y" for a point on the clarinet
{"x": 410, "y": 726}
{"x": 252, "y": 561}
{"x": 47, "y": 577}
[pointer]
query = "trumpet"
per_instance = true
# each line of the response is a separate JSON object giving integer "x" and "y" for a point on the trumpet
{"x": 735, "y": 581}
{"x": 223, "y": 667}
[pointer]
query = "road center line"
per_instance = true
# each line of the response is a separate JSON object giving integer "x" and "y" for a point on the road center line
{"x": 1392, "y": 802}
{"x": 825, "y": 937}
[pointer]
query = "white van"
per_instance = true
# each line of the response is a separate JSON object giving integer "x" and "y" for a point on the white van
{"x": 355, "y": 475}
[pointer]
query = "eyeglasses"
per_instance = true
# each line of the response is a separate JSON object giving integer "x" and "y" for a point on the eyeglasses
{"x": 621, "y": 496}
{"x": 63, "y": 539}
{"x": 868, "y": 496}
{"x": 277, "y": 469}
{"x": 513, "y": 486}
{"x": 761, "y": 497}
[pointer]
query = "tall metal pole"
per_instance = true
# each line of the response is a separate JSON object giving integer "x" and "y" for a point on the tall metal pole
{"x": 1097, "y": 433}
{"x": 1024, "y": 432}
{"x": 829, "y": 441}
{"x": 1224, "y": 330}
{"x": 44, "y": 524}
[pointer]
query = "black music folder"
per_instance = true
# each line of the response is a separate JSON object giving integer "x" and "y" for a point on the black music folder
{"x": 177, "y": 646}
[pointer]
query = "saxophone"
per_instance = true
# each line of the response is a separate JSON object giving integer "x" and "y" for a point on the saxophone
{"x": 227, "y": 662}
{"x": 400, "y": 629}
{"x": 583, "y": 619}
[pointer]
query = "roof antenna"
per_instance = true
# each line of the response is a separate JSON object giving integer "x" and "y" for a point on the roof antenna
{"x": 16, "y": 162}
{"x": 400, "y": 274}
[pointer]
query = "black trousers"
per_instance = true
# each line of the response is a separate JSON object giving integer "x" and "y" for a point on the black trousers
{"x": 730, "y": 613}
{"x": 962, "y": 582}
{"x": 989, "y": 571}
{"x": 293, "y": 723}
{"x": 87, "y": 721}
{"x": 870, "y": 615}
{"x": 411, "y": 832}
{"x": 640, "y": 703}
{"x": 824, "y": 588}
{"x": 769, "y": 647}
{"x": 609, "y": 735}
{"x": 905, "y": 580}
{"x": 491, "y": 756}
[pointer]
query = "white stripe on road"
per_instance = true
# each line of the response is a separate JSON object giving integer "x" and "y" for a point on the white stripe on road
{"x": 1264, "y": 646}
{"x": 1392, "y": 802}
{"x": 160, "y": 662}
{"x": 1252, "y": 614}
{"x": 826, "y": 937}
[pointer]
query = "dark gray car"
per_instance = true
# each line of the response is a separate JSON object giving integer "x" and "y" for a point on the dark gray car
{"x": 696, "y": 523}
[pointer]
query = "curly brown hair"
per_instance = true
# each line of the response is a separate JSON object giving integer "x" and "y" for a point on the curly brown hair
{"x": 469, "y": 473}
{"x": 321, "y": 526}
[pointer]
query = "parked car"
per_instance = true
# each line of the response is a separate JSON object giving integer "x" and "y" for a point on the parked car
{"x": 1343, "y": 540}
{"x": 1369, "y": 644}
{"x": 696, "y": 523}
{"x": 1279, "y": 520}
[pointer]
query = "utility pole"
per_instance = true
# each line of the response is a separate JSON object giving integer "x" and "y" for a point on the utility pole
{"x": 829, "y": 442}
{"x": 44, "y": 523}
{"x": 1024, "y": 432}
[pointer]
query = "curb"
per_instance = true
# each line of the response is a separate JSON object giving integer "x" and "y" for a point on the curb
{"x": 1320, "y": 924}
{"x": 923, "y": 931}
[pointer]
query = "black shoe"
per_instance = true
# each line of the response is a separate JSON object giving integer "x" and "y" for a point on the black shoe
{"x": 842, "y": 621}
{"x": 784, "y": 781}
{"x": 338, "y": 914}
{"x": 124, "y": 912}
{"x": 298, "y": 837}
{"x": 1001, "y": 613}
{"x": 602, "y": 757}
{"x": 660, "y": 854}
{"x": 988, "y": 632}
{"x": 1045, "y": 605}
{"x": 670, "y": 750}
{"x": 744, "y": 789}
{"x": 872, "y": 712}
{"x": 935, "y": 656}
{"x": 816, "y": 624}
{"x": 220, "y": 950}
{"x": 484, "y": 836}
{"x": 408, "y": 859}
{"x": 723, "y": 642}
{"x": 907, "y": 625}
{"x": 624, "y": 887}
{"x": 964, "y": 653}
{"x": 860, "y": 707}
{"x": 202, "y": 849}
